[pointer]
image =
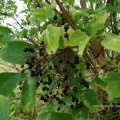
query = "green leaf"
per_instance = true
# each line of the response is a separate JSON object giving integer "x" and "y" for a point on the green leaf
{"x": 114, "y": 8}
{"x": 113, "y": 84}
{"x": 13, "y": 53}
{"x": 97, "y": 22}
{"x": 70, "y": 2}
{"x": 28, "y": 95}
{"x": 112, "y": 42}
{"x": 90, "y": 100}
{"x": 98, "y": 82}
{"x": 4, "y": 108}
{"x": 80, "y": 39}
{"x": 52, "y": 36}
{"x": 84, "y": 113}
{"x": 8, "y": 82}
{"x": 41, "y": 14}
{"x": 54, "y": 116}
{"x": 5, "y": 30}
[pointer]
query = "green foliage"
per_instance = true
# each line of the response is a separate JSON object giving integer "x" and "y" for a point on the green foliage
{"x": 28, "y": 95}
{"x": 113, "y": 84}
{"x": 14, "y": 53}
{"x": 111, "y": 42}
{"x": 61, "y": 52}
{"x": 4, "y": 108}
{"x": 51, "y": 37}
{"x": 8, "y": 82}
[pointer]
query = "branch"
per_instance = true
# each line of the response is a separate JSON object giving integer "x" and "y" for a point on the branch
{"x": 65, "y": 13}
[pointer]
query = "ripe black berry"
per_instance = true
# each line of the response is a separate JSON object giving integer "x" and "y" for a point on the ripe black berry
{"x": 42, "y": 43}
{"x": 23, "y": 71}
{"x": 72, "y": 65}
{"x": 82, "y": 81}
{"x": 76, "y": 60}
{"x": 42, "y": 97}
{"x": 22, "y": 66}
{"x": 66, "y": 35}
{"x": 55, "y": 17}
{"x": 25, "y": 49}
{"x": 41, "y": 81}
{"x": 74, "y": 89}
{"x": 80, "y": 74}
{"x": 58, "y": 109}
{"x": 66, "y": 27}
{"x": 50, "y": 67}
{"x": 71, "y": 106}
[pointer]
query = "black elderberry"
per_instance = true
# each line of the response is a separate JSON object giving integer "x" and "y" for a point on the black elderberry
{"x": 50, "y": 67}
{"x": 32, "y": 73}
{"x": 74, "y": 89}
{"x": 66, "y": 35}
{"x": 31, "y": 50}
{"x": 86, "y": 85}
{"x": 87, "y": 65}
{"x": 23, "y": 71}
{"x": 41, "y": 81}
{"x": 80, "y": 74}
{"x": 25, "y": 49}
{"x": 61, "y": 15}
{"x": 76, "y": 60}
{"x": 42, "y": 43}
{"x": 79, "y": 105}
{"x": 45, "y": 83}
{"x": 45, "y": 100}
{"x": 38, "y": 83}
{"x": 22, "y": 66}
{"x": 42, "y": 98}
{"x": 47, "y": 96}
{"x": 66, "y": 27}
{"x": 44, "y": 88}
{"x": 49, "y": 83}
{"x": 58, "y": 109}
{"x": 82, "y": 81}
{"x": 60, "y": 101}
{"x": 55, "y": 66}
{"x": 55, "y": 17}
{"x": 72, "y": 65}
{"x": 72, "y": 106}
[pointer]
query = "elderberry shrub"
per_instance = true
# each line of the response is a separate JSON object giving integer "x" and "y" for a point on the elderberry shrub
{"x": 53, "y": 75}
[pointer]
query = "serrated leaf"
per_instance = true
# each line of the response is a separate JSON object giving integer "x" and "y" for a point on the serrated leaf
{"x": 97, "y": 22}
{"x": 90, "y": 100}
{"x": 28, "y": 95}
{"x": 13, "y": 53}
{"x": 52, "y": 36}
{"x": 8, "y": 82}
{"x": 4, "y": 108}
{"x": 111, "y": 42}
{"x": 80, "y": 39}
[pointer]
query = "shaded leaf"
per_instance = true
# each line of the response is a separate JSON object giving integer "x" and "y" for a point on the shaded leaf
{"x": 4, "y": 108}
{"x": 8, "y": 82}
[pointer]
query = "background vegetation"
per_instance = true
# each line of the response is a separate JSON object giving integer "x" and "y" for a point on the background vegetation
{"x": 59, "y": 60}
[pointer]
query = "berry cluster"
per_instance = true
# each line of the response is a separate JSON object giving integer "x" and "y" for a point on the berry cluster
{"x": 66, "y": 27}
{"x": 53, "y": 73}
